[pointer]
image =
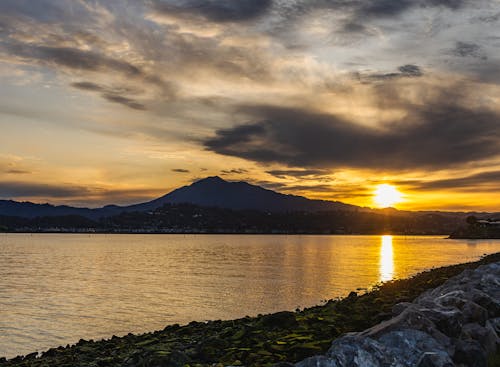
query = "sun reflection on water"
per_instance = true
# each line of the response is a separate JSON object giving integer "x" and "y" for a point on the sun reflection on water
{"x": 386, "y": 259}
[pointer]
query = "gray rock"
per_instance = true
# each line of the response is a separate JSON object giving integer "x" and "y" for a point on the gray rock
{"x": 494, "y": 324}
{"x": 356, "y": 351}
{"x": 317, "y": 361}
{"x": 486, "y": 336}
{"x": 469, "y": 353}
{"x": 457, "y": 323}
{"x": 408, "y": 346}
{"x": 411, "y": 318}
{"x": 430, "y": 359}
{"x": 400, "y": 307}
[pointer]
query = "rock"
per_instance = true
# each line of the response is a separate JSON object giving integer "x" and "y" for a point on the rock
{"x": 400, "y": 307}
{"x": 487, "y": 302}
{"x": 448, "y": 321}
{"x": 430, "y": 359}
{"x": 469, "y": 353}
{"x": 411, "y": 318}
{"x": 457, "y": 323}
{"x": 486, "y": 336}
{"x": 494, "y": 324}
{"x": 357, "y": 351}
{"x": 31, "y": 356}
{"x": 317, "y": 361}
{"x": 408, "y": 346}
{"x": 283, "y": 319}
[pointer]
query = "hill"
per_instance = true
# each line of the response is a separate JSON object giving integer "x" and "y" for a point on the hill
{"x": 208, "y": 192}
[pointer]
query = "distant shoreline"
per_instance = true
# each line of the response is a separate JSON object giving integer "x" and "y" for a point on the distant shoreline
{"x": 447, "y": 235}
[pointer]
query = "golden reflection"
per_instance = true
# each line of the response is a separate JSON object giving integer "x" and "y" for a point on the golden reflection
{"x": 386, "y": 259}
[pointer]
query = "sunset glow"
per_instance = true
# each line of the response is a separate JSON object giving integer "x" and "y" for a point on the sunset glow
{"x": 113, "y": 102}
{"x": 386, "y": 196}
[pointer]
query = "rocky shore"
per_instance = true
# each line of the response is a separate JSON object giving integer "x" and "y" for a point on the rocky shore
{"x": 443, "y": 317}
{"x": 455, "y": 324}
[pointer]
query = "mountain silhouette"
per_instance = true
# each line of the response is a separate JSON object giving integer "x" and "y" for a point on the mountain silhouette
{"x": 210, "y": 192}
{"x": 216, "y": 192}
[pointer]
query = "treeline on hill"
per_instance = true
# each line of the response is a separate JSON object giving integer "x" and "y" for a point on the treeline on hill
{"x": 186, "y": 218}
{"x": 478, "y": 228}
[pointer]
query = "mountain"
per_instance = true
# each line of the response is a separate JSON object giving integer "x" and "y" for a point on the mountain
{"x": 32, "y": 210}
{"x": 216, "y": 192}
{"x": 208, "y": 192}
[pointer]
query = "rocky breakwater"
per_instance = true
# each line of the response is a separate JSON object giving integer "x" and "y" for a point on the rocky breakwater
{"x": 456, "y": 324}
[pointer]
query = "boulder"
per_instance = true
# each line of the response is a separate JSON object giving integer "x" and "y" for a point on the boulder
{"x": 456, "y": 324}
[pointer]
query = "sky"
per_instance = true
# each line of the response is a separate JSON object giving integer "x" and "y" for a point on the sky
{"x": 121, "y": 101}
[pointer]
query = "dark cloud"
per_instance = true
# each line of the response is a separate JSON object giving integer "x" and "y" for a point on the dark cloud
{"x": 464, "y": 49}
{"x": 124, "y": 101}
{"x": 72, "y": 58}
{"x": 110, "y": 94}
{"x": 405, "y": 71}
{"x": 410, "y": 70}
{"x": 27, "y": 189}
{"x": 236, "y": 171}
{"x": 283, "y": 187}
{"x": 387, "y": 8}
{"x": 299, "y": 173}
{"x": 358, "y": 12}
{"x": 490, "y": 18}
{"x": 334, "y": 192}
{"x": 93, "y": 87}
{"x": 390, "y": 8}
{"x": 215, "y": 10}
{"x": 484, "y": 181}
{"x": 72, "y": 194}
{"x": 17, "y": 172}
{"x": 41, "y": 10}
{"x": 180, "y": 170}
{"x": 437, "y": 134}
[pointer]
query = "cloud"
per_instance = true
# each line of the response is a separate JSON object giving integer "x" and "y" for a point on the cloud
{"x": 388, "y": 8}
{"x": 490, "y": 18}
{"x": 215, "y": 10}
{"x": 180, "y": 170}
{"x": 75, "y": 194}
{"x": 72, "y": 58}
{"x": 93, "y": 87}
{"x": 124, "y": 101}
{"x": 484, "y": 181}
{"x": 332, "y": 192}
{"x": 410, "y": 70}
{"x": 23, "y": 189}
{"x": 41, "y": 10}
{"x": 439, "y": 133}
{"x": 464, "y": 49}
{"x": 285, "y": 187}
{"x": 404, "y": 71}
{"x": 298, "y": 173}
{"x": 237, "y": 171}
{"x": 110, "y": 94}
{"x": 17, "y": 172}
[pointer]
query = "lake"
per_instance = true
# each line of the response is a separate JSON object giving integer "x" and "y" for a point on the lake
{"x": 58, "y": 288}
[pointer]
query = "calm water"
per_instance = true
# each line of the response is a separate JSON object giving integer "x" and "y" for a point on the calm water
{"x": 56, "y": 289}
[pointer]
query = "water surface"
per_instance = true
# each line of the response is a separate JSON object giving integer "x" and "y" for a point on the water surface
{"x": 56, "y": 289}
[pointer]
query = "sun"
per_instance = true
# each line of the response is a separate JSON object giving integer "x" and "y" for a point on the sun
{"x": 386, "y": 195}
